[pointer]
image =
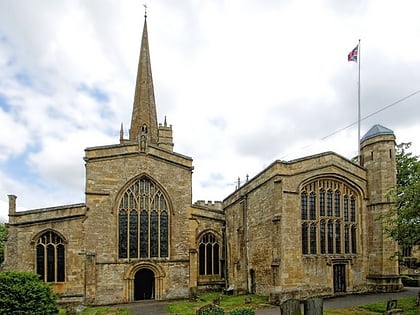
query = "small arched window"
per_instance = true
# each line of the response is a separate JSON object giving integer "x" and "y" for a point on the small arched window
{"x": 50, "y": 257}
{"x": 208, "y": 248}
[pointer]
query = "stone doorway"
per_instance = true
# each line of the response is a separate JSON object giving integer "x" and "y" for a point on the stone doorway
{"x": 144, "y": 285}
{"x": 339, "y": 271}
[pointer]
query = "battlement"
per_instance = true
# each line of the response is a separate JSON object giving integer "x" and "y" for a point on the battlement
{"x": 211, "y": 205}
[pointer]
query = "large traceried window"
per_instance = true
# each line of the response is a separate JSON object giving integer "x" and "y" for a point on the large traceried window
{"x": 50, "y": 257}
{"x": 143, "y": 222}
{"x": 208, "y": 253}
{"x": 329, "y": 227}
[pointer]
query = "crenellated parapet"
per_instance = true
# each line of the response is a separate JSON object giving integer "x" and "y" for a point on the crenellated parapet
{"x": 211, "y": 205}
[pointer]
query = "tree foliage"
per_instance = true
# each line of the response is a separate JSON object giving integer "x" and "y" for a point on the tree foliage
{"x": 24, "y": 293}
{"x": 3, "y": 236}
{"x": 403, "y": 223}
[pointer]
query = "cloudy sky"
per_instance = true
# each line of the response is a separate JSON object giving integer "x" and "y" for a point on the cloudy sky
{"x": 243, "y": 82}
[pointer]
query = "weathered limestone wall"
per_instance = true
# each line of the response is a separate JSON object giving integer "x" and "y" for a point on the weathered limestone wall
{"x": 378, "y": 157}
{"x": 206, "y": 217}
{"x": 263, "y": 230}
{"x": 24, "y": 229}
{"x": 109, "y": 171}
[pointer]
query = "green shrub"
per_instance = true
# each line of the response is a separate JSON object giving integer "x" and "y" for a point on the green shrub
{"x": 243, "y": 311}
{"x": 213, "y": 311}
{"x": 3, "y": 237}
{"x": 24, "y": 293}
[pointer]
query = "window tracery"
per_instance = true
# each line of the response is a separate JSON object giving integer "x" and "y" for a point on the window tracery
{"x": 50, "y": 257}
{"x": 329, "y": 218}
{"x": 208, "y": 252}
{"x": 143, "y": 221}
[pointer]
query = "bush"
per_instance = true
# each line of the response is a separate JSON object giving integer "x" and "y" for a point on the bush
{"x": 243, "y": 311}
{"x": 213, "y": 311}
{"x": 24, "y": 293}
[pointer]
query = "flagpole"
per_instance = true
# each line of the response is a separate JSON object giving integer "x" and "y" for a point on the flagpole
{"x": 358, "y": 105}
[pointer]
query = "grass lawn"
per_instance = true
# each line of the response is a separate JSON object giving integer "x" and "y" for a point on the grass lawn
{"x": 101, "y": 310}
{"x": 227, "y": 302}
{"x": 407, "y": 304}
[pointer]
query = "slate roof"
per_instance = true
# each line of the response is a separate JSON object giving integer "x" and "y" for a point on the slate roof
{"x": 376, "y": 130}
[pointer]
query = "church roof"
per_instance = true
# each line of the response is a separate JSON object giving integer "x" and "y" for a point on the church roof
{"x": 144, "y": 106}
{"x": 376, "y": 130}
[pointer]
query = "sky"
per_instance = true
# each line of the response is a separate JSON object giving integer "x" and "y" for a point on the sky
{"x": 242, "y": 82}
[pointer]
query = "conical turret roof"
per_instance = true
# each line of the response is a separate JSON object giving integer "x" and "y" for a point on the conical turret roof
{"x": 376, "y": 130}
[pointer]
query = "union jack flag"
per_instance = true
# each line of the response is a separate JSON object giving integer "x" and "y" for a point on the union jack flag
{"x": 353, "y": 54}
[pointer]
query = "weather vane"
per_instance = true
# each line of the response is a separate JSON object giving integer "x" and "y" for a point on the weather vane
{"x": 145, "y": 10}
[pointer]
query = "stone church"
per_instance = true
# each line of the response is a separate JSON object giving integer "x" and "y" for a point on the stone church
{"x": 303, "y": 227}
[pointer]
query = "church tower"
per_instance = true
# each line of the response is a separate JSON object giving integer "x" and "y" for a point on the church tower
{"x": 378, "y": 157}
{"x": 138, "y": 196}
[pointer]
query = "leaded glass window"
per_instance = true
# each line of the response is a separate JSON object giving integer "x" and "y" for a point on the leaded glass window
{"x": 352, "y": 210}
{"x": 353, "y": 240}
{"x": 328, "y": 226}
{"x": 50, "y": 257}
{"x": 304, "y": 206}
{"x": 346, "y": 240}
{"x": 123, "y": 234}
{"x": 329, "y": 203}
{"x": 337, "y": 203}
{"x": 208, "y": 252}
{"x": 322, "y": 202}
{"x": 346, "y": 208}
{"x": 304, "y": 238}
{"x": 337, "y": 238}
{"x": 322, "y": 237}
{"x": 312, "y": 213}
{"x": 330, "y": 234}
{"x": 143, "y": 221}
{"x": 313, "y": 238}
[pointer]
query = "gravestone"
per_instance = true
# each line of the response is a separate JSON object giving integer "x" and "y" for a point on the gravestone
{"x": 391, "y": 308}
{"x": 314, "y": 306}
{"x": 290, "y": 307}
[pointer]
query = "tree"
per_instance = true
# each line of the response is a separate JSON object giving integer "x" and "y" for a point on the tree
{"x": 24, "y": 293}
{"x": 403, "y": 222}
{"x": 3, "y": 236}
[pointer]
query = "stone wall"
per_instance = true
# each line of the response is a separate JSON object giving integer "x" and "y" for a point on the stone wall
{"x": 24, "y": 229}
{"x": 109, "y": 171}
{"x": 264, "y": 230}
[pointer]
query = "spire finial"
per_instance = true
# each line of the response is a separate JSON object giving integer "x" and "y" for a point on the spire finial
{"x": 122, "y": 133}
{"x": 145, "y": 10}
{"x": 144, "y": 106}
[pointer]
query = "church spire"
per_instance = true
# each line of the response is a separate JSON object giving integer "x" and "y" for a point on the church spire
{"x": 143, "y": 119}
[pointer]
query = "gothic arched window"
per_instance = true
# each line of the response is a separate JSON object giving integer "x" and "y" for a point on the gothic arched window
{"x": 143, "y": 221}
{"x": 330, "y": 225}
{"x": 50, "y": 257}
{"x": 208, "y": 253}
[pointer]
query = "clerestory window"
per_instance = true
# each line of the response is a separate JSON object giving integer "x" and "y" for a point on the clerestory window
{"x": 50, "y": 257}
{"x": 143, "y": 221}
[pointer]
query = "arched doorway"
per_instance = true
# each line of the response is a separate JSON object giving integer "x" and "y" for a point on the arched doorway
{"x": 144, "y": 285}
